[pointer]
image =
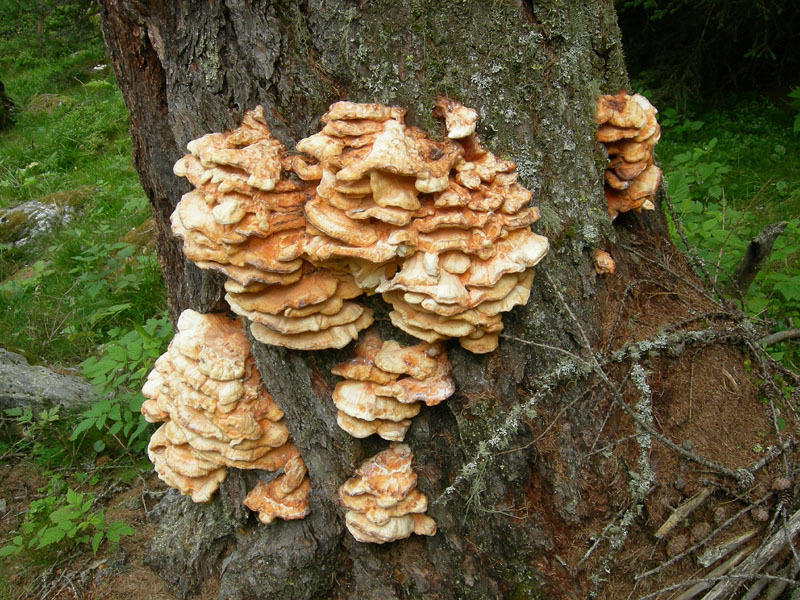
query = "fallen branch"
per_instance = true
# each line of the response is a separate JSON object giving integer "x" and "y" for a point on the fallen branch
{"x": 683, "y": 511}
{"x": 777, "y": 588}
{"x": 780, "y": 336}
{"x": 731, "y": 577}
{"x": 702, "y": 542}
{"x": 756, "y": 561}
{"x": 719, "y": 571}
{"x": 712, "y": 555}
{"x": 754, "y": 257}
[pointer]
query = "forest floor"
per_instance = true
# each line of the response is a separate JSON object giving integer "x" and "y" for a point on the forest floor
{"x": 708, "y": 397}
{"x": 116, "y": 571}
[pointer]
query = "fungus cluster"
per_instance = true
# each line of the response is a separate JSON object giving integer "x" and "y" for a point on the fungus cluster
{"x": 629, "y": 131}
{"x": 385, "y": 383}
{"x": 246, "y": 219}
{"x": 216, "y": 413}
{"x": 285, "y": 497}
{"x": 382, "y": 502}
{"x": 440, "y": 228}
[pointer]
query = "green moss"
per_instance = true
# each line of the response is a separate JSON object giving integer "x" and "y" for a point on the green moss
{"x": 526, "y": 585}
{"x": 11, "y": 221}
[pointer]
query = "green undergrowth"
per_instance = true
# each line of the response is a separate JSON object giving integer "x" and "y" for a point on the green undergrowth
{"x": 69, "y": 147}
{"x": 62, "y": 520}
{"x": 729, "y": 172}
{"x": 88, "y": 295}
{"x": 102, "y": 446}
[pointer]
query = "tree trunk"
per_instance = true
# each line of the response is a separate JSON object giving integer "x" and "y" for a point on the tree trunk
{"x": 508, "y": 463}
{"x": 6, "y": 109}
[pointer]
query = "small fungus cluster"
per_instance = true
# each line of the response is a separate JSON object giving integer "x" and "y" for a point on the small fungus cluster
{"x": 285, "y": 497}
{"x": 384, "y": 384}
{"x": 629, "y": 131}
{"x": 382, "y": 502}
{"x": 216, "y": 413}
{"x": 440, "y": 228}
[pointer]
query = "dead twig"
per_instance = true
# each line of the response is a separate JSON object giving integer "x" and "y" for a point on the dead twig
{"x": 773, "y": 452}
{"x": 599, "y": 539}
{"x": 683, "y": 511}
{"x": 702, "y": 542}
{"x": 754, "y": 256}
{"x": 756, "y": 561}
{"x": 545, "y": 346}
{"x": 777, "y": 587}
{"x": 780, "y": 336}
{"x": 712, "y": 580}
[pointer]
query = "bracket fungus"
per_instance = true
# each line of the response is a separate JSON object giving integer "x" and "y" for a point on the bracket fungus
{"x": 285, "y": 497}
{"x": 216, "y": 413}
{"x": 246, "y": 218}
{"x": 369, "y": 206}
{"x": 384, "y": 384}
{"x": 382, "y": 502}
{"x": 440, "y": 228}
{"x": 629, "y": 131}
{"x": 603, "y": 263}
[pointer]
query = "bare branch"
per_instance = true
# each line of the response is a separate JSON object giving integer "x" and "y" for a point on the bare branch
{"x": 780, "y": 336}
{"x": 754, "y": 257}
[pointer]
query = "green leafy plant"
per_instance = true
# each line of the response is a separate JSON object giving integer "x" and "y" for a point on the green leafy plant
{"x": 723, "y": 200}
{"x": 70, "y": 148}
{"x": 118, "y": 375}
{"x": 794, "y": 95}
{"x": 63, "y": 521}
{"x": 44, "y": 436}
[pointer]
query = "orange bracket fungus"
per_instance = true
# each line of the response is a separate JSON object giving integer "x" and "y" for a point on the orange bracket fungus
{"x": 216, "y": 413}
{"x": 384, "y": 384}
{"x": 246, "y": 218}
{"x": 285, "y": 497}
{"x": 629, "y": 131}
{"x": 603, "y": 263}
{"x": 382, "y": 502}
{"x": 440, "y": 228}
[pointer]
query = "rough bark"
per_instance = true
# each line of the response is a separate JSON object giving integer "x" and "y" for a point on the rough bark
{"x": 533, "y": 71}
{"x": 7, "y": 107}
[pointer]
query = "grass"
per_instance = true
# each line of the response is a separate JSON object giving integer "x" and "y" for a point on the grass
{"x": 69, "y": 148}
{"x": 91, "y": 289}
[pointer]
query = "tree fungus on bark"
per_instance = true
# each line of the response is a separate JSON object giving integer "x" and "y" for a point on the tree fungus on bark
{"x": 609, "y": 398}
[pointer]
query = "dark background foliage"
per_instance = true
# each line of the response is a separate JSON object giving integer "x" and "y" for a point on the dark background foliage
{"x": 685, "y": 50}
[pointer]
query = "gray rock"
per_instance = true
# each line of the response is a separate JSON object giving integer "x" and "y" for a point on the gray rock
{"x": 23, "y": 385}
{"x": 24, "y": 225}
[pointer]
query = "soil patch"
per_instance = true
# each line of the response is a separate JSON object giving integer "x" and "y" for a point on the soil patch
{"x": 704, "y": 397}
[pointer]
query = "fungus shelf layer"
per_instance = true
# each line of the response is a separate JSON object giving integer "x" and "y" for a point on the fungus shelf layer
{"x": 385, "y": 383}
{"x": 629, "y": 130}
{"x": 382, "y": 501}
